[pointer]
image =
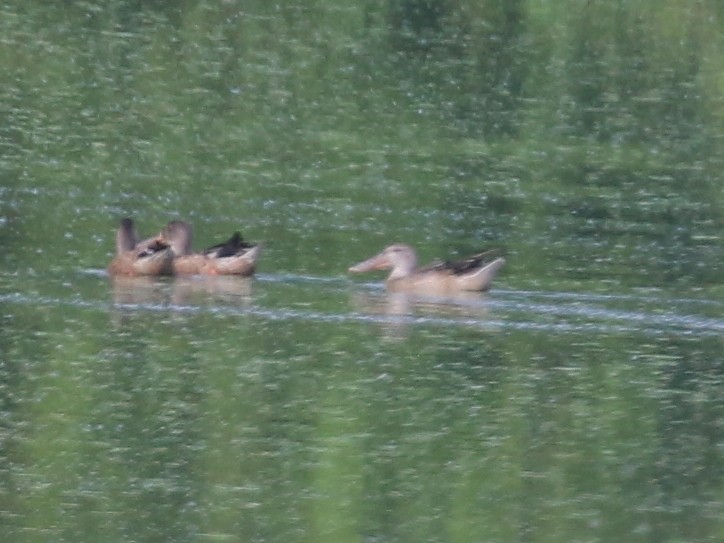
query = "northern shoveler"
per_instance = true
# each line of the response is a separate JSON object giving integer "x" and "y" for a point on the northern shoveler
{"x": 232, "y": 257}
{"x": 135, "y": 258}
{"x": 474, "y": 273}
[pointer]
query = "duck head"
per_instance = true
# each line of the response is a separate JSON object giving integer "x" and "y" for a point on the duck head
{"x": 126, "y": 237}
{"x": 399, "y": 258}
{"x": 178, "y": 234}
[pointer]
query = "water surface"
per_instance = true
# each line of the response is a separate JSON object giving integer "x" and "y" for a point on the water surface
{"x": 579, "y": 400}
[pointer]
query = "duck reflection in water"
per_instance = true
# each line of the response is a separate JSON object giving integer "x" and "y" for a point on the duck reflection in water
{"x": 220, "y": 273}
{"x": 395, "y": 312}
{"x": 133, "y": 291}
{"x": 210, "y": 289}
{"x": 450, "y": 290}
{"x": 199, "y": 290}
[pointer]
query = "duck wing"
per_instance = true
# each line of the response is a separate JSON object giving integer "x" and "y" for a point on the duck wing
{"x": 150, "y": 247}
{"x": 235, "y": 245}
{"x": 469, "y": 264}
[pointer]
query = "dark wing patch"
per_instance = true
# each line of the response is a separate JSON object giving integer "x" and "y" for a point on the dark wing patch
{"x": 467, "y": 265}
{"x": 235, "y": 245}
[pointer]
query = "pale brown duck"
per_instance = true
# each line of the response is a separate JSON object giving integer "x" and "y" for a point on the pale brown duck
{"x": 136, "y": 258}
{"x": 474, "y": 273}
{"x": 232, "y": 257}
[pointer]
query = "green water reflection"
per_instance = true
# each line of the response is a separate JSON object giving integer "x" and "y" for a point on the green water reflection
{"x": 580, "y": 400}
{"x": 176, "y": 422}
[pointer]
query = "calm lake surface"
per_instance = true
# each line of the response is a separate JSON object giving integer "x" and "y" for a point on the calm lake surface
{"x": 581, "y": 399}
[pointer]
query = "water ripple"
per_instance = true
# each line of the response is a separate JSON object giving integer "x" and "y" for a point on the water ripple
{"x": 501, "y": 314}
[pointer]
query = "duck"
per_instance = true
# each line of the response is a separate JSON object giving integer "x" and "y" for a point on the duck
{"x": 136, "y": 258}
{"x": 232, "y": 257}
{"x": 474, "y": 273}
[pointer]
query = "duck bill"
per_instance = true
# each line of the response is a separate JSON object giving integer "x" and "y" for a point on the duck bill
{"x": 378, "y": 262}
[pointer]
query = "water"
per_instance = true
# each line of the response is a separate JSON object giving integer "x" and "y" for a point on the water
{"x": 579, "y": 400}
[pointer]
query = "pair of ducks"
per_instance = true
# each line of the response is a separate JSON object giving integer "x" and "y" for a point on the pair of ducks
{"x": 170, "y": 253}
